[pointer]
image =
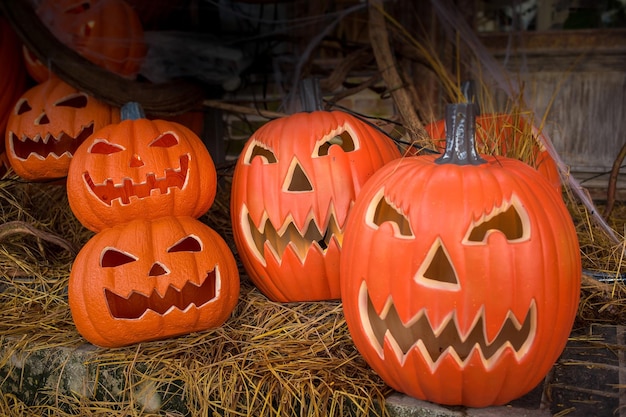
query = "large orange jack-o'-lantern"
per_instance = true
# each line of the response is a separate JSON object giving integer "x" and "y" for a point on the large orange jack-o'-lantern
{"x": 152, "y": 279}
{"x": 140, "y": 168}
{"x": 460, "y": 275}
{"x": 48, "y": 123}
{"x": 294, "y": 184}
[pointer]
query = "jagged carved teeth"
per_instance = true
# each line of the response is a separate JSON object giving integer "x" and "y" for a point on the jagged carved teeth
{"x": 288, "y": 235}
{"x": 136, "y": 304}
{"x": 42, "y": 147}
{"x": 446, "y": 340}
{"x": 109, "y": 191}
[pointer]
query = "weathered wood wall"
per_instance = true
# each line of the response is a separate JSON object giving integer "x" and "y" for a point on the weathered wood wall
{"x": 577, "y": 79}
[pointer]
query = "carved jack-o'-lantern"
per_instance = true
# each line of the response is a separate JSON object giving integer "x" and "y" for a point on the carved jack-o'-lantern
{"x": 460, "y": 276}
{"x": 48, "y": 123}
{"x": 147, "y": 280}
{"x": 293, "y": 187}
{"x": 140, "y": 168}
{"x": 108, "y": 33}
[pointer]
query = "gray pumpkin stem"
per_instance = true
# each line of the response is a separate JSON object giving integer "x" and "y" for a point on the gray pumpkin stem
{"x": 132, "y": 111}
{"x": 311, "y": 95}
{"x": 461, "y": 135}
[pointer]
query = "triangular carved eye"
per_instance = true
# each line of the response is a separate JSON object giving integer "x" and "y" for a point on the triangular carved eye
{"x": 187, "y": 244}
{"x": 77, "y": 101}
{"x": 266, "y": 155}
{"x": 297, "y": 180}
{"x": 112, "y": 257}
{"x": 437, "y": 271}
{"x": 382, "y": 211}
{"x": 510, "y": 220}
{"x": 343, "y": 140}
{"x": 22, "y": 107}
{"x": 105, "y": 148}
{"x": 157, "y": 270}
{"x": 166, "y": 140}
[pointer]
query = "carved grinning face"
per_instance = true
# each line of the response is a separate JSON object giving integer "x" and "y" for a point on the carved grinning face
{"x": 146, "y": 280}
{"x": 146, "y": 175}
{"x": 140, "y": 168}
{"x": 460, "y": 284}
{"x": 437, "y": 275}
{"x": 294, "y": 184}
{"x": 48, "y": 123}
{"x": 319, "y": 227}
{"x": 182, "y": 295}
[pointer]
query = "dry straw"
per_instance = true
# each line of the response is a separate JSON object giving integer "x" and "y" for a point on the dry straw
{"x": 268, "y": 359}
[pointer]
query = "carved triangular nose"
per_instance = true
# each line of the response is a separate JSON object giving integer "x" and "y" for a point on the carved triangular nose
{"x": 298, "y": 180}
{"x": 135, "y": 161}
{"x": 157, "y": 270}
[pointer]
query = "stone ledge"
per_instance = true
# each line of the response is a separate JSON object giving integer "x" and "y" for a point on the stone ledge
{"x": 45, "y": 374}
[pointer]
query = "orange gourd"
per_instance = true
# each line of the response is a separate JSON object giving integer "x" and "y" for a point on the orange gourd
{"x": 460, "y": 274}
{"x": 294, "y": 184}
{"x": 152, "y": 279}
{"x": 46, "y": 126}
{"x": 140, "y": 168}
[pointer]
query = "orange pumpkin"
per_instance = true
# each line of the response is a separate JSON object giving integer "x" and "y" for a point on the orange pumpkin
{"x": 12, "y": 75}
{"x": 294, "y": 184}
{"x": 152, "y": 279}
{"x": 106, "y": 32}
{"x": 140, "y": 168}
{"x": 460, "y": 276}
{"x": 508, "y": 135}
{"x": 46, "y": 126}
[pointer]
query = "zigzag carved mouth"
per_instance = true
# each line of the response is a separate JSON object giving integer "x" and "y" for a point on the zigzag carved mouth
{"x": 49, "y": 145}
{"x": 435, "y": 344}
{"x": 109, "y": 191}
{"x": 289, "y": 236}
{"x": 136, "y": 304}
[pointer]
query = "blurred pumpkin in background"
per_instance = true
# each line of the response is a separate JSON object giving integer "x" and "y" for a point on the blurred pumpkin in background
{"x": 108, "y": 33}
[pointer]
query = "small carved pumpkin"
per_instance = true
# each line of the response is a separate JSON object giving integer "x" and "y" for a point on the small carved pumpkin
{"x": 507, "y": 135}
{"x": 152, "y": 279}
{"x": 460, "y": 276}
{"x": 108, "y": 33}
{"x": 46, "y": 126}
{"x": 293, "y": 186}
{"x": 140, "y": 168}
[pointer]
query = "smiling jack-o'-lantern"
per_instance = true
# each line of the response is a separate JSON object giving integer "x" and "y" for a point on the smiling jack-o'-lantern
{"x": 293, "y": 186}
{"x": 48, "y": 123}
{"x": 147, "y": 280}
{"x": 140, "y": 168}
{"x": 460, "y": 275}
